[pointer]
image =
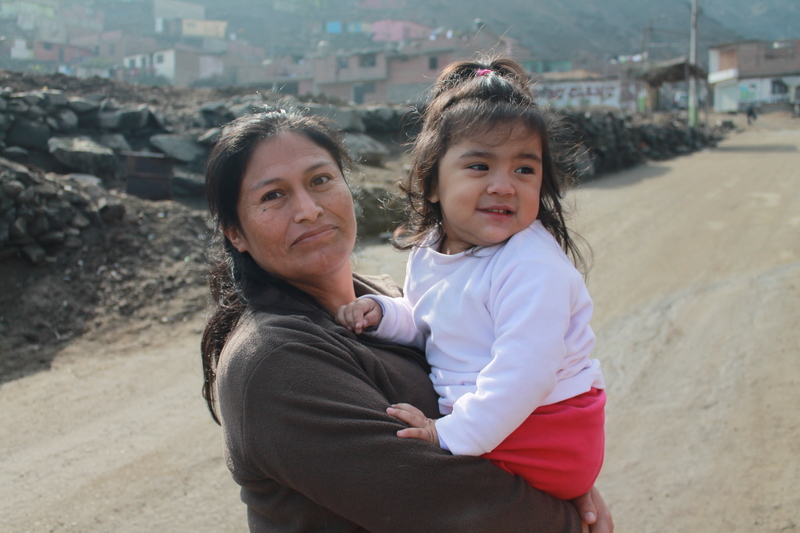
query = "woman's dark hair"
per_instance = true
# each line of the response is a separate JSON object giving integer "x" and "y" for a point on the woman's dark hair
{"x": 232, "y": 272}
{"x": 472, "y": 98}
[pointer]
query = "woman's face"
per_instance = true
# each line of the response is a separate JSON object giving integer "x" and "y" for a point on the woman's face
{"x": 295, "y": 211}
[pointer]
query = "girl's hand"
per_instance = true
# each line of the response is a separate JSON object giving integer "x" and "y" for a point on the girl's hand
{"x": 422, "y": 428}
{"x": 359, "y": 315}
{"x": 595, "y": 514}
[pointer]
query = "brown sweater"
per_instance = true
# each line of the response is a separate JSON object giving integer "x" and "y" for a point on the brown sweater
{"x": 303, "y": 404}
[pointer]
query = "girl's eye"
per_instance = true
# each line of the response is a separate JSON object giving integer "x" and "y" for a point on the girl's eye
{"x": 479, "y": 166}
{"x": 525, "y": 170}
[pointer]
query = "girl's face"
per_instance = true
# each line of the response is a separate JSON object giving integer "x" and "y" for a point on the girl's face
{"x": 489, "y": 187}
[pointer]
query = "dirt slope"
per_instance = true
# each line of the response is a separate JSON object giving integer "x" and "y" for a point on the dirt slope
{"x": 696, "y": 286}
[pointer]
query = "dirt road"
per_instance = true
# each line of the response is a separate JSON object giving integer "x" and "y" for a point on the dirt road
{"x": 697, "y": 292}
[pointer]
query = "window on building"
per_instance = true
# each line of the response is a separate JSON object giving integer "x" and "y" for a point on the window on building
{"x": 342, "y": 62}
{"x": 143, "y": 62}
{"x": 47, "y": 46}
{"x": 779, "y": 87}
{"x": 159, "y": 58}
{"x": 779, "y": 50}
{"x": 131, "y": 63}
{"x": 433, "y": 63}
{"x": 366, "y": 60}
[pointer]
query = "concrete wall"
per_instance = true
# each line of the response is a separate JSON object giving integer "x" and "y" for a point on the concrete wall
{"x": 620, "y": 94}
{"x": 204, "y": 28}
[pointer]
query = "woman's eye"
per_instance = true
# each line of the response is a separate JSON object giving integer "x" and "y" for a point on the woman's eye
{"x": 320, "y": 180}
{"x": 479, "y": 166}
{"x": 272, "y": 195}
{"x": 525, "y": 170}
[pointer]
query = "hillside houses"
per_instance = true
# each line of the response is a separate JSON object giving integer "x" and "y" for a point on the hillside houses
{"x": 754, "y": 73}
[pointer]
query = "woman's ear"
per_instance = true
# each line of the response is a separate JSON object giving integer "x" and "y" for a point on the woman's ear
{"x": 433, "y": 197}
{"x": 237, "y": 239}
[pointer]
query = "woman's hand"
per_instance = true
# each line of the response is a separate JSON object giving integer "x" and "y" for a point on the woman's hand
{"x": 422, "y": 427}
{"x": 595, "y": 514}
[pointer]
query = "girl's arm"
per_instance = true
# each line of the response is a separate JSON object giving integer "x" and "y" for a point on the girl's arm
{"x": 397, "y": 322}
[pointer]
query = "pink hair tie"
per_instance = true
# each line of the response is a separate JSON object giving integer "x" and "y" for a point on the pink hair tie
{"x": 483, "y": 72}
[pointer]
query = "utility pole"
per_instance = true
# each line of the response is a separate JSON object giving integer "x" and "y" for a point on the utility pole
{"x": 692, "y": 119}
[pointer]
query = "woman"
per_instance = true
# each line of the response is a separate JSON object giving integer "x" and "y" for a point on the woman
{"x": 302, "y": 400}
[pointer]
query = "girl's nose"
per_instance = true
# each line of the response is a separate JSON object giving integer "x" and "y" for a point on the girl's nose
{"x": 306, "y": 209}
{"x": 500, "y": 184}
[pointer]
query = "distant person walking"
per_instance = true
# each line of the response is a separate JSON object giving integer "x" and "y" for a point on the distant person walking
{"x": 751, "y": 114}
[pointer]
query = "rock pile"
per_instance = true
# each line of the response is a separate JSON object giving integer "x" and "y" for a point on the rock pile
{"x": 101, "y": 253}
{"x": 40, "y": 214}
{"x": 613, "y": 141}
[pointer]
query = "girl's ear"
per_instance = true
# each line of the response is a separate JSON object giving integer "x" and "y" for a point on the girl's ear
{"x": 237, "y": 239}
{"x": 433, "y": 197}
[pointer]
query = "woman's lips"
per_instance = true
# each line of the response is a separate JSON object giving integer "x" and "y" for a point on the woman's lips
{"x": 314, "y": 233}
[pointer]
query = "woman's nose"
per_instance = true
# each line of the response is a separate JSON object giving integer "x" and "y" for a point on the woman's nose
{"x": 306, "y": 208}
{"x": 500, "y": 183}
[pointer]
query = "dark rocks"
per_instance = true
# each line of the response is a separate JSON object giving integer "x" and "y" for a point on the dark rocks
{"x": 29, "y": 134}
{"x": 16, "y": 153}
{"x": 41, "y": 215}
{"x": 82, "y": 105}
{"x": 83, "y": 154}
{"x": 177, "y": 147}
{"x": 611, "y": 141}
{"x": 365, "y": 149}
{"x": 346, "y": 118}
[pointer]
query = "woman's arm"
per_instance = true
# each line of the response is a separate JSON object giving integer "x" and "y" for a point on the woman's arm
{"x": 312, "y": 416}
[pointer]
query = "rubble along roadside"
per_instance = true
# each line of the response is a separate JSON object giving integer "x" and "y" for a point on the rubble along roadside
{"x": 79, "y": 256}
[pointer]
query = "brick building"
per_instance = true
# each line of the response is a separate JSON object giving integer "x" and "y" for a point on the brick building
{"x": 754, "y": 72}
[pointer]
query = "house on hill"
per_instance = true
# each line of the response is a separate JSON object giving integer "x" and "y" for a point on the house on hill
{"x": 761, "y": 73}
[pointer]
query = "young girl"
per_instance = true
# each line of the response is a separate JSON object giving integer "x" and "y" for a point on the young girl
{"x": 490, "y": 293}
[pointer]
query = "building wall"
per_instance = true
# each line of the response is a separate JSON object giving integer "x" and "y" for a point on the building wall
{"x": 762, "y": 59}
{"x": 398, "y": 30}
{"x": 210, "y": 66}
{"x": 164, "y": 64}
{"x": 137, "y": 61}
{"x": 20, "y": 50}
{"x": 187, "y": 68}
{"x": 43, "y": 51}
{"x": 204, "y": 28}
{"x": 759, "y": 73}
{"x": 362, "y": 67}
{"x": 422, "y": 69}
{"x": 621, "y": 94}
{"x": 177, "y": 9}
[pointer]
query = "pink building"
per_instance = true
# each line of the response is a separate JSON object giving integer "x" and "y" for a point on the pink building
{"x": 114, "y": 44}
{"x": 61, "y": 53}
{"x": 398, "y": 30}
{"x": 401, "y": 73}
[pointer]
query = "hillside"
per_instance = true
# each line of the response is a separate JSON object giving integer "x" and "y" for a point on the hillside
{"x": 553, "y": 30}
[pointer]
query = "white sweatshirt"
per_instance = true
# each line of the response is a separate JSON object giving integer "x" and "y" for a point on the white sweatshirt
{"x": 505, "y": 329}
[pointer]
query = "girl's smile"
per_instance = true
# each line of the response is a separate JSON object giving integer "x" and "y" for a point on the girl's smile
{"x": 489, "y": 187}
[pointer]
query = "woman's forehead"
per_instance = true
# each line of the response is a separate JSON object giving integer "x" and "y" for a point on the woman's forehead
{"x": 287, "y": 149}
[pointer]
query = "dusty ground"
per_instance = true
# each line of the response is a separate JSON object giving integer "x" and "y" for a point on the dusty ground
{"x": 697, "y": 288}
